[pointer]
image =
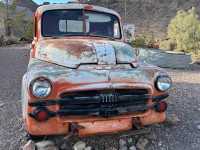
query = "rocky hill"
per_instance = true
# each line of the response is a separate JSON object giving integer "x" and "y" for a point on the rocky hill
{"x": 28, "y": 4}
{"x": 22, "y": 5}
{"x": 149, "y": 16}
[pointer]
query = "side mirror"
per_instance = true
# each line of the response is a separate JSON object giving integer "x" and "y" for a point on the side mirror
{"x": 129, "y": 32}
{"x": 116, "y": 30}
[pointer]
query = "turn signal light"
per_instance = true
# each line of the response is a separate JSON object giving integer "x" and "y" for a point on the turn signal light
{"x": 161, "y": 107}
{"x": 40, "y": 114}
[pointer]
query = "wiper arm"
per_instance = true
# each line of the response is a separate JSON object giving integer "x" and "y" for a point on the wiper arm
{"x": 86, "y": 34}
{"x": 94, "y": 35}
{"x": 65, "y": 35}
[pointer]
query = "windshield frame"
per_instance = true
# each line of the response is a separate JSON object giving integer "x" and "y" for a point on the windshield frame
{"x": 84, "y": 33}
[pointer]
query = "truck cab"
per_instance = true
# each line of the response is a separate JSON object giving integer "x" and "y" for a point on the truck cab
{"x": 82, "y": 77}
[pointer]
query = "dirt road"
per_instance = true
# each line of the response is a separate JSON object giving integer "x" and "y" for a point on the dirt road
{"x": 184, "y": 107}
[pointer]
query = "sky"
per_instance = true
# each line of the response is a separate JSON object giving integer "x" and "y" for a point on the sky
{"x": 52, "y": 1}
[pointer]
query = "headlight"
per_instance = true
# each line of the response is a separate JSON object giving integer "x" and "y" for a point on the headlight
{"x": 163, "y": 83}
{"x": 41, "y": 87}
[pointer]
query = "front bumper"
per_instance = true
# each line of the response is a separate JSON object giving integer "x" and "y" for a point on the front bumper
{"x": 100, "y": 120}
{"x": 92, "y": 125}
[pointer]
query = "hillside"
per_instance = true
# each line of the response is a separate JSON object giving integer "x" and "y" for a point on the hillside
{"x": 149, "y": 16}
{"x": 28, "y": 4}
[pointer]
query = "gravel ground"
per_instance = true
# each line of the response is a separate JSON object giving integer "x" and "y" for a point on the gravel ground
{"x": 182, "y": 131}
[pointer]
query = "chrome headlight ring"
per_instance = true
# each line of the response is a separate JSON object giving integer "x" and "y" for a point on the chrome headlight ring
{"x": 41, "y": 87}
{"x": 163, "y": 83}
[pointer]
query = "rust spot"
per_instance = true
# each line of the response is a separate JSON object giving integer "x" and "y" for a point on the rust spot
{"x": 73, "y": 48}
{"x": 60, "y": 60}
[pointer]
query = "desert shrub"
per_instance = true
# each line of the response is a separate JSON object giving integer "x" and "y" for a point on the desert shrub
{"x": 28, "y": 32}
{"x": 139, "y": 41}
{"x": 146, "y": 40}
{"x": 2, "y": 40}
{"x": 196, "y": 57}
{"x": 19, "y": 24}
{"x": 150, "y": 40}
{"x": 168, "y": 45}
{"x": 11, "y": 40}
{"x": 153, "y": 43}
{"x": 184, "y": 29}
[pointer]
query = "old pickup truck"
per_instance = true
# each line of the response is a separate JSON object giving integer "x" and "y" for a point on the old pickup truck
{"x": 82, "y": 78}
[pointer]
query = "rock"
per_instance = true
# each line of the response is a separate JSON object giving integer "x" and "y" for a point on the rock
{"x": 132, "y": 147}
{"x": 130, "y": 140}
{"x": 198, "y": 126}
{"x": 152, "y": 136}
{"x": 122, "y": 142}
{"x": 172, "y": 119}
{"x": 112, "y": 148}
{"x": 30, "y": 145}
{"x": 142, "y": 143}
{"x": 46, "y": 145}
{"x": 79, "y": 145}
{"x": 88, "y": 148}
{"x": 64, "y": 146}
{"x": 123, "y": 148}
{"x": 160, "y": 143}
{"x": 2, "y": 104}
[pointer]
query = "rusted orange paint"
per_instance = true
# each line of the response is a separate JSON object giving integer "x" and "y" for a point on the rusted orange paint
{"x": 94, "y": 125}
{"x": 66, "y": 77}
{"x": 101, "y": 127}
{"x": 153, "y": 118}
{"x": 51, "y": 127}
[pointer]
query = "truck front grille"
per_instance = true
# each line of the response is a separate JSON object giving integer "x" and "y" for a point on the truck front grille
{"x": 104, "y": 102}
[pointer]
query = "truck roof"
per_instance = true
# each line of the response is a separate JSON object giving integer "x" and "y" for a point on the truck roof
{"x": 44, "y": 8}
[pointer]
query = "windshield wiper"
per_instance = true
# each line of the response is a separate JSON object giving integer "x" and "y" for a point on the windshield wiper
{"x": 86, "y": 34}
{"x": 64, "y": 35}
{"x": 94, "y": 35}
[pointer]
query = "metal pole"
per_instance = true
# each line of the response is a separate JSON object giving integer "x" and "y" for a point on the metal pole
{"x": 6, "y": 9}
{"x": 125, "y": 11}
{"x": 108, "y": 3}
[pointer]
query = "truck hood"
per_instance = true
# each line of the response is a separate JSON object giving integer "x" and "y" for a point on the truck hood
{"x": 82, "y": 79}
{"x": 74, "y": 52}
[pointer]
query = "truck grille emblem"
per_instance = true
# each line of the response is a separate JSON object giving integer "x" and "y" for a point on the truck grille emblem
{"x": 110, "y": 98}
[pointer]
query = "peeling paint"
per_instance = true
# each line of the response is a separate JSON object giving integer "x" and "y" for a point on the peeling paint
{"x": 75, "y": 64}
{"x": 72, "y": 53}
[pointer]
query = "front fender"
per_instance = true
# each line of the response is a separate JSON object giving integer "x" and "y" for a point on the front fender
{"x": 24, "y": 95}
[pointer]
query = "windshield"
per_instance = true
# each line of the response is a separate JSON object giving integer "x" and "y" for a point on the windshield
{"x": 78, "y": 22}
